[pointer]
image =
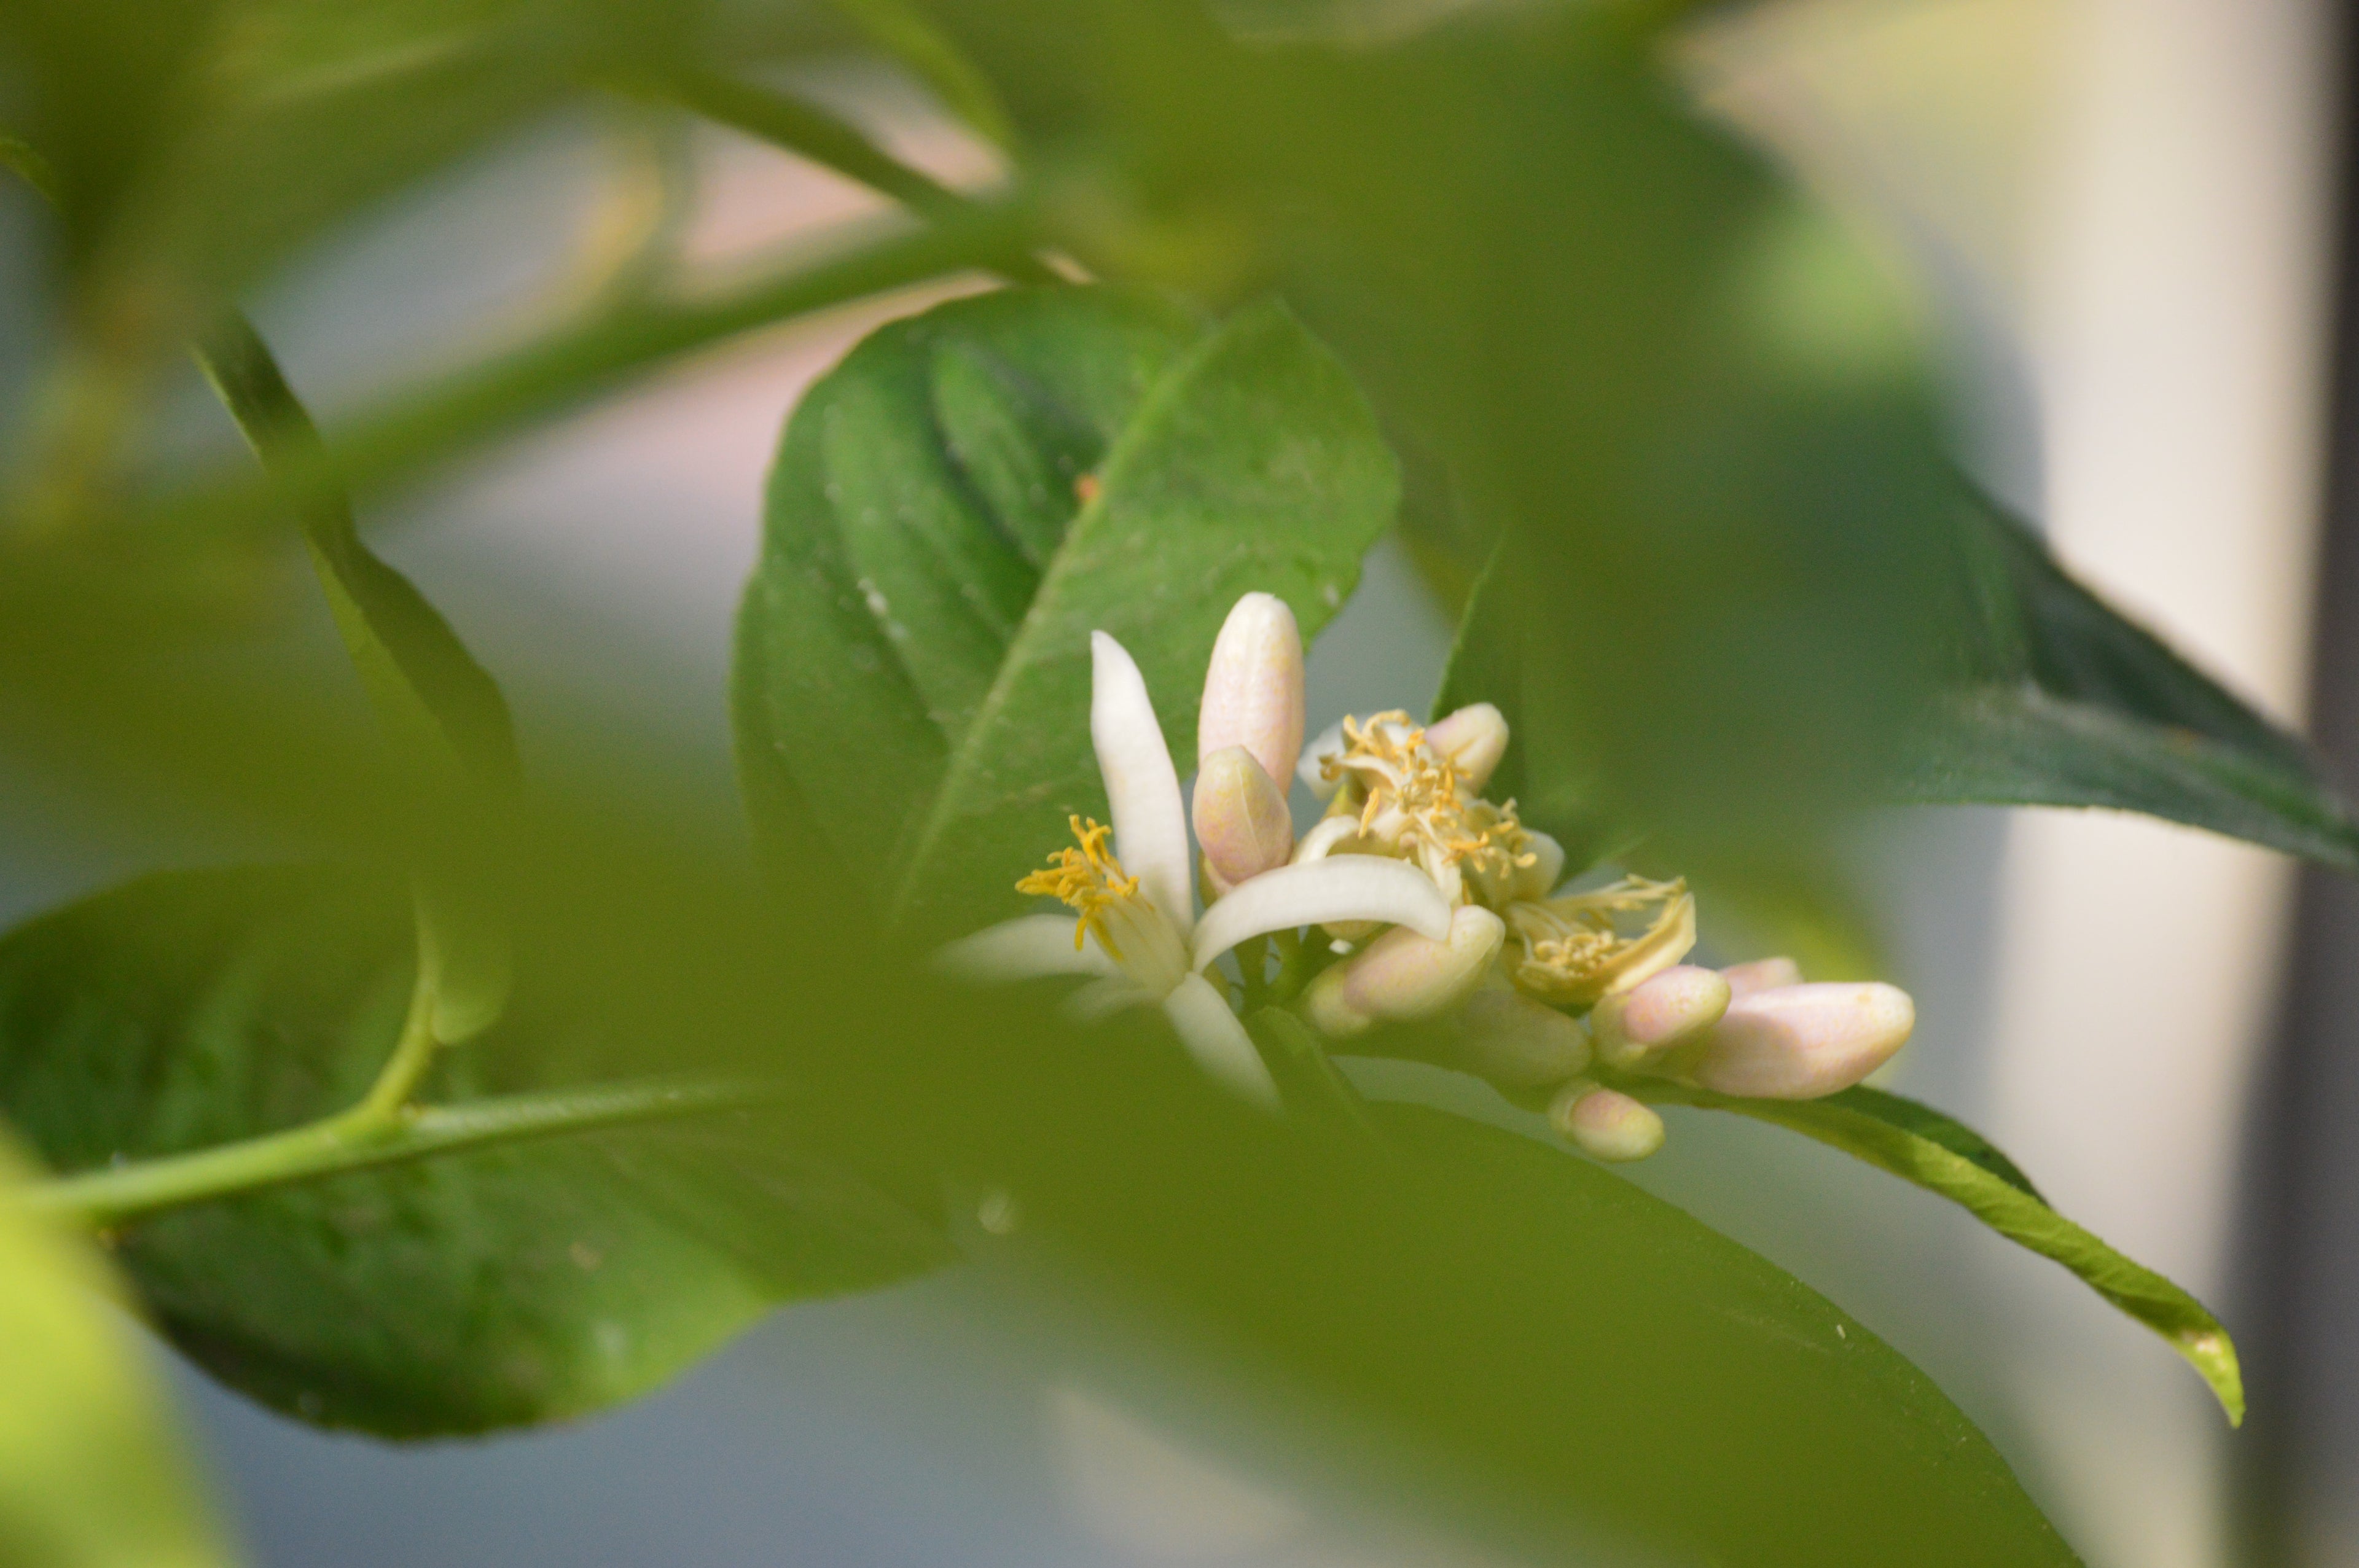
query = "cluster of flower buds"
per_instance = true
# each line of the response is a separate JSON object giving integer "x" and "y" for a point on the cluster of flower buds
{"x": 1546, "y": 992}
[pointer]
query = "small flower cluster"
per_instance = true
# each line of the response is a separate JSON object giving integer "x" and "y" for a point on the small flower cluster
{"x": 1433, "y": 902}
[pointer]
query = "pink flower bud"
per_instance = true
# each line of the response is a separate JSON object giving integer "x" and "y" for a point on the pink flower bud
{"x": 1761, "y": 975}
{"x": 1606, "y": 1124}
{"x": 1242, "y": 822}
{"x": 1253, "y": 692}
{"x": 1472, "y": 740}
{"x": 1657, "y": 1014}
{"x": 1506, "y": 1037}
{"x": 1802, "y": 1041}
{"x": 1403, "y": 976}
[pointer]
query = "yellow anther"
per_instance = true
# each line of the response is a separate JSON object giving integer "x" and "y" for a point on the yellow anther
{"x": 1577, "y": 948}
{"x": 1413, "y": 797}
{"x": 1087, "y": 879}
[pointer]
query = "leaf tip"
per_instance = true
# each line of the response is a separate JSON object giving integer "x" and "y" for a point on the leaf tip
{"x": 2211, "y": 1353}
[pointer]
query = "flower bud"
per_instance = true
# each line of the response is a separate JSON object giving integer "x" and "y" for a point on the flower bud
{"x": 1606, "y": 1124}
{"x": 1403, "y": 976}
{"x": 1514, "y": 1042}
{"x": 1242, "y": 822}
{"x": 1761, "y": 975}
{"x": 1657, "y": 1014}
{"x": 1253, "y": 692}
{"x": 1472, "y": 740}
{"x": 1802, "y": 1041}
{"x": 1537, "y": 879}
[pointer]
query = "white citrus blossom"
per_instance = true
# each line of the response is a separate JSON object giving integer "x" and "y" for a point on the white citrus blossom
{"x": 1135, "y": 928}
{"x": 1611, "y": 953}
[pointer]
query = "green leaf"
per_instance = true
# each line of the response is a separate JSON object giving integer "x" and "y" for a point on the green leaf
{"x": 2071, "y": 703}
{"x": 89, "y": 1475}
{"x": 1625, "y": 1374}
{"x": 442, "y": 714}
{"x": 492, "y": 1288}
{"x": 914, "y": 670}
{"x": 1921, "y": 1145}
{"x": 1923, "y": 1121}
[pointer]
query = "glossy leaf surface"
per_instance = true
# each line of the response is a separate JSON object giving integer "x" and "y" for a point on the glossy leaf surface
{"x": 487, "y": 1289}
{"x": 961, "y": 503}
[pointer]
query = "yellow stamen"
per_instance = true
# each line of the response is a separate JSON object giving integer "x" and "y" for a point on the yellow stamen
{"x": 1575, "y": 950}
{"x": 1088, "y": 879}
{"x": 1422, "y": 795}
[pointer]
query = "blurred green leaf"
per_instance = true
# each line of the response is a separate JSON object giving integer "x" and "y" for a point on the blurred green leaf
{"x": 482, "y": 1290}
{"x": 920, "y": 621}
{"x": 89, "y": 1475}
{"x": 1615, "y": 1372}
{"x": 1691, "y": 412}
{"x": 1920, "y": 1144}
{"x": 901, "y": 30}
{"x": 2071, "y": 703}
{"x": 445, "y": 724}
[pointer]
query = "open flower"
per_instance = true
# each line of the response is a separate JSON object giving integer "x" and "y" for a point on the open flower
{"x": 1134, "y": 929}
{"x": 1545, "y": 986}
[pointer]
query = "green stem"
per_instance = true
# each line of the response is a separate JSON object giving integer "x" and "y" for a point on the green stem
{"x": 811, "y": 133}
{"x": 364, "y": 1138}
{"x": 1252, "y": 967}
{"x": 569, "y": 366}
{"x": 413, "y": 1053}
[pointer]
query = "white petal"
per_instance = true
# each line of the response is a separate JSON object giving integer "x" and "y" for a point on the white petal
{"x": 1151, "y": 821}
{"x": 1328, "y": 742}
{"x": 1024, "y": 948}
{"x": 1341, "y": 887}
{"x": 1104, "y": 997}
{"x": 1320, "y": 841}
{"x": 1218, "y": 1042}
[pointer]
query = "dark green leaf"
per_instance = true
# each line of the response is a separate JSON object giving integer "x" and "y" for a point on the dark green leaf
{"x": 2070, "y": 703}
{"x": 1923, "y": 1121}
{"x": 486, "y": 1289}
{"x": 89, "y": 1474}
{"x": 1920, "y": 1145}
{"x": 919, "y": 622}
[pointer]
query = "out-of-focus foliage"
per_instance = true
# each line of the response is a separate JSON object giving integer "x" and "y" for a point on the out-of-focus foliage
{"x": 499, "y": 1288}
{"x": 444, "y": 719}
{"x": 89, "y": 1477}
{"x": 959, "y": 505}
{"x": 1669, "y": 414}
{"x": 2071, "y": 704}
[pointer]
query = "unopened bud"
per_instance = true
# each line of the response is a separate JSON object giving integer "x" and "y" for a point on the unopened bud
{"x": 1242, "y": 821}
{"x": 1403, "y": 976}
{"x": 1512, "y": 1041}
{"x": 1761, "y": 975}
{"x": 1472, "y": 740}
{"x": 1606, "y": 1124}
{"x": 1657, "y": 1014}
{"x": 1253, "y": 691}
{"x": 1802, "y": 1041}
{"x": 1537, "y": 879}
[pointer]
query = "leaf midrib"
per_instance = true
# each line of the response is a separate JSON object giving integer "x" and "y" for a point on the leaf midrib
{"x": 962, "y": 760}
